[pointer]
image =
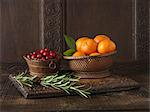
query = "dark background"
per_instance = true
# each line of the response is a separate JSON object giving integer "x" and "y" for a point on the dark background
{"x": 92, "y": 17}
{"x": 19, "y": 29}
{"x": 125, "y": 21}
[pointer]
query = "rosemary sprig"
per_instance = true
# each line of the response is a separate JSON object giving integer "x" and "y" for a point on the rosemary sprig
{"x": 66, "y": 82}
{"x": 61, "y": 81}
{"x": 25, "y": 79}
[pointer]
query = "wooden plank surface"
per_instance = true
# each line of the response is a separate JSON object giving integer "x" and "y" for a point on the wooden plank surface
{"x": 135, "y": 100}
{"x": 107, "y": 84}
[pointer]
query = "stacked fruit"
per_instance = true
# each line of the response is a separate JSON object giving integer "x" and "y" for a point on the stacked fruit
{"x": 43, "y": 55}
{"x": 84, "y": 46}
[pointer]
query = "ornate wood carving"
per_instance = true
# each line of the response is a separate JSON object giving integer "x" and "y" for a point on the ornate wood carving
{"x": 53, "y": 24}
{"x": 142, "y": 22}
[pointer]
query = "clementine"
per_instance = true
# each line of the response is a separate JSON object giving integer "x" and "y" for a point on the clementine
{"x": 95, "y": 54}
{"x": 78, "y": 53}
{"x": 100, "y": 38}
{"x": 88, "y": 46}
{"x": 106, "y": 46}
{"x": 79, "y": 42}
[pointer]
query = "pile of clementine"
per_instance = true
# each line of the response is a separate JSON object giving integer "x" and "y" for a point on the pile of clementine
{"x": 101, "y": 44}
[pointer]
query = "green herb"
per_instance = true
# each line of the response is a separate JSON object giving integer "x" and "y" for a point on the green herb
{"x": 61, "y": 81}
{"x": 69, "y": 52}
{"x": 66, "y": 82}
{"x": 70, "y": 42}
{"x": 25, "y": 79}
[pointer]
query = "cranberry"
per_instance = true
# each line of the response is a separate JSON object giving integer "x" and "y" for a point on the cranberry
{"x": 45, "y": 53}
{"x": 39, "y": 56}
{"x": 33, "y": 56}
{"x": 47, "y": 57}
{"x": 46, "y": 49}
{"x": 42, "y": 51}
{"x": 50, "y": 57}
{"x": 43, "y": 59}
{"x": 52, "y": 53}
{"x": 34, "y": 53}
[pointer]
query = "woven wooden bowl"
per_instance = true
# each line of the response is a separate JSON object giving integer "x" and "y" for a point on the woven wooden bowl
{"x": 90, "y": 63}
{"x": 41, "y": 68}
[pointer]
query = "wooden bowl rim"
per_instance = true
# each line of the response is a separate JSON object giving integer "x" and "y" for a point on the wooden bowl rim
{"x": 87, "y": 57}
{"x": 36, "y": 60}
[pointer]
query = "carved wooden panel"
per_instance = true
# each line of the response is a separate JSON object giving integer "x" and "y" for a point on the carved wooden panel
{"x": 143, "y": 42}
{"x": 53, "y": 24}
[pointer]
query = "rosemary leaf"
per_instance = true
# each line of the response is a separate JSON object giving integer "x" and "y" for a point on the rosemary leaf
{"x": 74, "y": 80}
{"x": 65, "y": 90}
{"x": 32, "y": 78}
{"x": 27, "y": 84}
{"x": 65, "y": 84}
{"x": 55, "y": 87}
{"x": 19, "y": 83}
{"x": 57, "y": 83}
{"x": 60, "y": 77}
{"x": 81, "y": 86}
{"x": 47, "y": 78}
{"x": 79, "y": 91}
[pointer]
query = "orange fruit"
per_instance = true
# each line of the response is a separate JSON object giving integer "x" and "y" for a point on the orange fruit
{"x": 95, "y": 54}
{"x": 106, "y": 46}
{"x": 100, "y": 38}
{"x": 79, "y": 42}
{"x": 88, "y": 46}
{"x": 78, "y": 53}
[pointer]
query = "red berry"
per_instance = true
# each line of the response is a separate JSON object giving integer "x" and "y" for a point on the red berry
{"x": 42, "y": 51}
{"x": 39, "y": 56}
{"x": 50, "y": 57}
{"x": 33, "y": 56}
{"x": 45, "y": 53}
{"x": 43, "y": 59}
{"x": 52, "y": 53}
{"x": 46, "y": 49}
{"x": 34, "y": 53}
{"x": 47, "y": 57}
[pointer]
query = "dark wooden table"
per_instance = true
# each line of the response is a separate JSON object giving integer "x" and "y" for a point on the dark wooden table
{"x": 134, "y": 100}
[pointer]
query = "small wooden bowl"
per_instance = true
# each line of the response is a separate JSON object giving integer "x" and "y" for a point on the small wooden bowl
{"x": 41, "y": 68}
{"x": 90, "y": 63}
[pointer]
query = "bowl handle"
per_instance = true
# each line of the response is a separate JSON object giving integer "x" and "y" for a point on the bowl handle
{"x": 52, "y": 65}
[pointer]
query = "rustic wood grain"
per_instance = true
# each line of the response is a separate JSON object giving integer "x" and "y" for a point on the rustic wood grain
{"x": 134, "y": 100}
{"x": 143, "y": 26}
{"x": 111, "y": 83}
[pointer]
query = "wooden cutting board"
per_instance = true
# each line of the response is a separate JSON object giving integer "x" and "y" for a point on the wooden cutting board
{"x": 103, "y": 85}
